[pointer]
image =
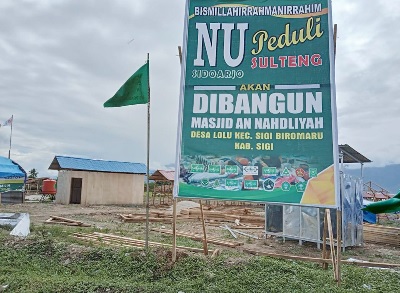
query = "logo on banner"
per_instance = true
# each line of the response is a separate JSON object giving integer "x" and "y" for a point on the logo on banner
{"x": 251, "y": 184}
{"x": 250, "y": 170}
{"x": 268, "y": 185}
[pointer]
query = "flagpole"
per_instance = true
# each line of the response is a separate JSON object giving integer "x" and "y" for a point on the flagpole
{"x": 148, "y": 161}
{"x": 9, "y": 150}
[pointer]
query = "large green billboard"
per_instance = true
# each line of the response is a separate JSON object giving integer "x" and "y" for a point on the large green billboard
{"x": 257, "y": 107}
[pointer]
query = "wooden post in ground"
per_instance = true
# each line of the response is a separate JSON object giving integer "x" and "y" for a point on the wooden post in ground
{"x": 174, "y": 200}
{"x": 331, "y": 243}
{"x": 324, "y": 251}
{"x": 205, "y": 246}
{"x": 339, "y": 244}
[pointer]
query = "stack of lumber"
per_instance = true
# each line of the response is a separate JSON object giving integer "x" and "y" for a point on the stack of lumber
{"x": 65, "y": 221}
{"x": 154, "y": 216}
{"x": 199, "y": 237}
{"x": 243, "y": 215}
{"x": 361, "y": 263}
{"x": 382, "y": 234}
{"x": 119, "y": 241}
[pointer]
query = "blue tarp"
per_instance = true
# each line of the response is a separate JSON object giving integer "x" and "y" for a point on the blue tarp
{"x": 10, "y": 169}
{"x": 368, "y": 216}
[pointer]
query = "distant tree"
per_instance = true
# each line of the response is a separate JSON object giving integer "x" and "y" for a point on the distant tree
{"x": 33, "y": 173}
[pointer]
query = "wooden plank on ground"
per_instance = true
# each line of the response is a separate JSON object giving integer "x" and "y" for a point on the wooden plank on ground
{"x": 114, "y": 240}
{"x": 321, "y": 260}
{"x": 64, "y": 221}
{"x": 198, "y": 237}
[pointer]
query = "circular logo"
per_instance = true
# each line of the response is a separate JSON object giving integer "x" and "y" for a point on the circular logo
{"x": 268, "y": 185}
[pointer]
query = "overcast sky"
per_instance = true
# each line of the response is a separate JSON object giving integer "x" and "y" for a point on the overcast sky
{"x": 60, "y": 60}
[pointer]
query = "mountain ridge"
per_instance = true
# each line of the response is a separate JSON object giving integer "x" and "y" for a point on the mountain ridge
{"x": 388, "y": 177}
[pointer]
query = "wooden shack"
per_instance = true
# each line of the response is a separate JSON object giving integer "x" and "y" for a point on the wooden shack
{"x": 98, "y": 182}
{"x": 163, "y": 186}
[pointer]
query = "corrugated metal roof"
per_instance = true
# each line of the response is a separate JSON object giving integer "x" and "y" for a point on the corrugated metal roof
{"x": 70, "y": 163}
{"x": 377, "y": 195}
{"x": 163, "y": 175}
{"x": 350, "y": 155}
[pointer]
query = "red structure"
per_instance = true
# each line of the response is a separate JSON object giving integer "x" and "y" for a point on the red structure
{"x": 49, "y": 188}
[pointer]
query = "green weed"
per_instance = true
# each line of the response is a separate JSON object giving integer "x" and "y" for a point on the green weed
{"x": 51, "y": 261}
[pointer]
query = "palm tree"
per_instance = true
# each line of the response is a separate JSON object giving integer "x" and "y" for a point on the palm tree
{"x": 33, "y": 173}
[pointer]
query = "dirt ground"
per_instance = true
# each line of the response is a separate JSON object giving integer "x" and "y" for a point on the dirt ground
{"x": 107, "y": 217}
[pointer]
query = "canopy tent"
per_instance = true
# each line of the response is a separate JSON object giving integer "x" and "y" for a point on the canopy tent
{"x": 9, "y": 169}
{"x": 12, "y": 176}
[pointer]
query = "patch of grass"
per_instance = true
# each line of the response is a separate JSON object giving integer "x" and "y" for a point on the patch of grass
{"x": 51, "y": 261}
{"x": 6, "y": 227}
{"x": 391, "y": 223}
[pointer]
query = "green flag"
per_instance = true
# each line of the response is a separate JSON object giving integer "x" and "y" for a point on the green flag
{"x": 133, "y": 91}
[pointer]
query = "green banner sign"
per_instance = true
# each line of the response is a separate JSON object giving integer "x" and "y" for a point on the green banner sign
{"x": 15, "y": 184}
{"x": 258, "y": 100}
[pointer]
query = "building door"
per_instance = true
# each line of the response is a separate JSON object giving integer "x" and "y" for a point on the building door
{"x": 76, "y": 190}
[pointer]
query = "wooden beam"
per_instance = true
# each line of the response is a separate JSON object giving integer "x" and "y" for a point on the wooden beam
{"x": 198, "y": 237}
{"x": 119, "y": 240}
{"x": 174, "y": 230}
{"x": 205, "y": 246}
{"x": 370, "y": 264}
{"x": 65, "y": 221}
{"x": 331, "y": 243}
{"x": 324, "y": 250}
{"x": 322, "y": 260}
{"x": 287, "y": 256}
{"x": 339, "y": 244}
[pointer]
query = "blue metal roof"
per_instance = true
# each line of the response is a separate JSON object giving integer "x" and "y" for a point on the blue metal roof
{"x": 70, "y": 163}
{"x": 10, "y": 169}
